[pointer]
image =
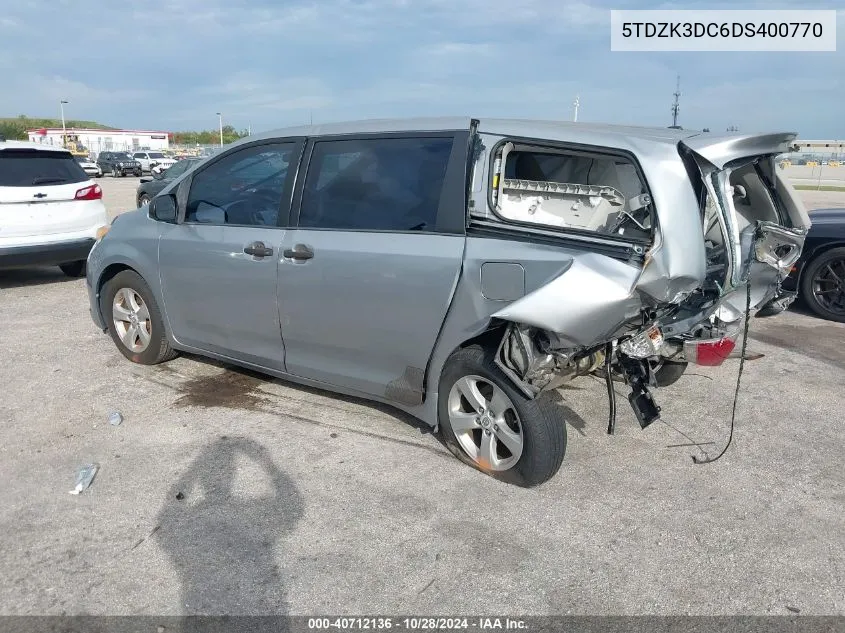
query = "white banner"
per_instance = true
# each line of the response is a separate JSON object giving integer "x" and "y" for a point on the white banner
{"x": 723, "y": 30}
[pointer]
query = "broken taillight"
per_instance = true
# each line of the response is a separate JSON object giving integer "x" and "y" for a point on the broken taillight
{"x": 94, "y": 192}
{"x": 710, "y": 352}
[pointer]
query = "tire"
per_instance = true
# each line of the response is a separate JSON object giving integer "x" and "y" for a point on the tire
{"x": 157, "y": 349}
{"x": 114, "y": 172}
{"x": 74, "y": 269}
{"x": 143, "y": 199}
{"x": 823, "y": 285}
{"x": 138, "y": 173}
{"x": 669, "y": 373}
{"x": 538, "y": 423}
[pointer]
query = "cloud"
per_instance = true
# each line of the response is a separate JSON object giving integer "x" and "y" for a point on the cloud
{"x": 174, "y": 63}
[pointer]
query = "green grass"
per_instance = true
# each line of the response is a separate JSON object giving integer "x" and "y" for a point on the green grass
{"x": 35, "y": 123}
{"x": 821, "y": 188}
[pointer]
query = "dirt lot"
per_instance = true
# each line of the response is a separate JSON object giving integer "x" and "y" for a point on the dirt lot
{"x": 226, "y": 492}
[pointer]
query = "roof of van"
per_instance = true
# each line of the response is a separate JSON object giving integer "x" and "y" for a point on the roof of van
{"x": 510, "y": 127}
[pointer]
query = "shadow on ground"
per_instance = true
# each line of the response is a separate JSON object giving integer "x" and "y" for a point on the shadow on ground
{"x": 222, "y": 525}
{"x": 19, "y": 277}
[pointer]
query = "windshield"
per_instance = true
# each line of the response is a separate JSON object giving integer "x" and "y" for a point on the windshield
{"x": 156, "y": 155}
{"x": 30, "y": 168}
{"x": 124, "y": 156}
{"x": 81, "y": 159}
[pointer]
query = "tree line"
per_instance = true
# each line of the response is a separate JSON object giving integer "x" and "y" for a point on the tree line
{"x": 16, "y": 129}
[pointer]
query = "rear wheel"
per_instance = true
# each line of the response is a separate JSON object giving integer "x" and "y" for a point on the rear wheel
{"x": 823, "y": 285}
{"x": 489, "y": 424}
{"x": 134, "y": 319}
{"x": 73, "y": 269}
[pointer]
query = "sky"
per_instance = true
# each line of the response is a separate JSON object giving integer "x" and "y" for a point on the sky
{"x": 173, "y": 64}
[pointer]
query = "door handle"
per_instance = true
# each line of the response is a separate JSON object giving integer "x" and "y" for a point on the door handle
{"x": 258, "y": 249}
{"x": 300, "y": 251}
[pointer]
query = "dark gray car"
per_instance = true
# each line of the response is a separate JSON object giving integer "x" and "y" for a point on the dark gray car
{"x": 457, "y": 269}
{"x": 151, "y": 187}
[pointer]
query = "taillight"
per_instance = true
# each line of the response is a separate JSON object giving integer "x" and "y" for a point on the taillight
{"x": 94, "y": 192}
{"x": 711, "y": 352}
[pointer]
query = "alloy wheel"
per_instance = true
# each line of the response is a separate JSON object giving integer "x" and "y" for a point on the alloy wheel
{"x": 485, "y": 423}
{"x": 828, "y": 286}
{"x": 131, "y": 319}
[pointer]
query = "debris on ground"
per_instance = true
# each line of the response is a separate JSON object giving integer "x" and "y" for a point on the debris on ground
{"x": 84, "y": 477}
{"x": 115, "y": 418}
{"x": 179, "y": 496}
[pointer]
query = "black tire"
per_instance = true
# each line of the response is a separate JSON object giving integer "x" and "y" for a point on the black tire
{"x": 138, "y": 173}
{"x": 835, "y": 258}
{"x": 158, "y": 350}
{"x": 542, "y": 423}
{"x": 669, "y": 373}
{"x": 143, "y": 199}
{"x": 74, "y": 269}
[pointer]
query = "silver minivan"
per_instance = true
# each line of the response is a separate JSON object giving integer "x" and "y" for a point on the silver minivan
{"x": 458, "y": 269}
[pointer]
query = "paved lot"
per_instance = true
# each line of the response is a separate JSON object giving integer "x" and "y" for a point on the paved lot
{"x": 226, "y": 492}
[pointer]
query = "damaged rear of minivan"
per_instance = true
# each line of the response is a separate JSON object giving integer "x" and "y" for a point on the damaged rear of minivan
{"x": 627, "y": 253}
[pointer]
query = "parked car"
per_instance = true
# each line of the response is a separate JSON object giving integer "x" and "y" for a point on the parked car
{"x": 153, "y": 160}
{"x": 818, "y": 278}
{"x": 460, "y": 270}
{"x": 118, "y": 164}
{"x": 88, "y": 166}
{"x": 51, "y": 212}
{"x": 150, "y": 187}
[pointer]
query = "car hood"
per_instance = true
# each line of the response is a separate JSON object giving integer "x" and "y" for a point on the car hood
{"x": 828, "y": 216}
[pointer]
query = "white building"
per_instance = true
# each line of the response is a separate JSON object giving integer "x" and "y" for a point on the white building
{"x": 96, "y": 141}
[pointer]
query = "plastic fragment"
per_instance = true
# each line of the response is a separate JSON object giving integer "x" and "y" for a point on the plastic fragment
{"x": 84, "y": 477}
{"x": 115, "y": 418}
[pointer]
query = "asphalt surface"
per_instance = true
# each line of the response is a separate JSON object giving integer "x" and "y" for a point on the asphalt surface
{"x": 227, "y": 492}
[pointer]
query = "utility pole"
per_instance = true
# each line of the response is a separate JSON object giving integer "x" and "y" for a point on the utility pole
{"x": 220, "y": 120}
{"x": 575, "y": 105}
{"x": 64, "y": 129}
{"x": 676, "y": 105}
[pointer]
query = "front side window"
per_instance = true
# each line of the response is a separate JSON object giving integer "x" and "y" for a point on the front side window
{"x": 375, "y": 184}
{"x": 244, "y": 188}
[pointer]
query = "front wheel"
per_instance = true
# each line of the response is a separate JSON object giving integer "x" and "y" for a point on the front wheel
{"x": 134, "y": 320}
{"x": 143, "y": 200}
{"x": 823, "y": 285}
{"x": 489, "y": 424}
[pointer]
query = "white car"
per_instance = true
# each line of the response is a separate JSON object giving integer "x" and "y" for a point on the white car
{"x": 153, "y": 161}
{"x": 89, "y": 167}
{"x": 51, "y": 212}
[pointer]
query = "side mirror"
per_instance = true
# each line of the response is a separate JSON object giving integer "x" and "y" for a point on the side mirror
{"x": 163, "y": 208}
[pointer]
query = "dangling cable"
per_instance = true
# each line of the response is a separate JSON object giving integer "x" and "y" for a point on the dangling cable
{"x": 738, "y": 377}
{"x": 611, "y": 393}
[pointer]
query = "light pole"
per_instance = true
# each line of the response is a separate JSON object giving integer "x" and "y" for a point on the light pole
{"x": 220, "y": 120}
{"x": 575, "y": 104}
{"x": 64, "y": 129}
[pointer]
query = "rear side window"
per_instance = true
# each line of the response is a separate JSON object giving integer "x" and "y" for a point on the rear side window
{"x": 376, "y": 185}
{"x": 577, "y": 190}
{"x": 30, "y": 168}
